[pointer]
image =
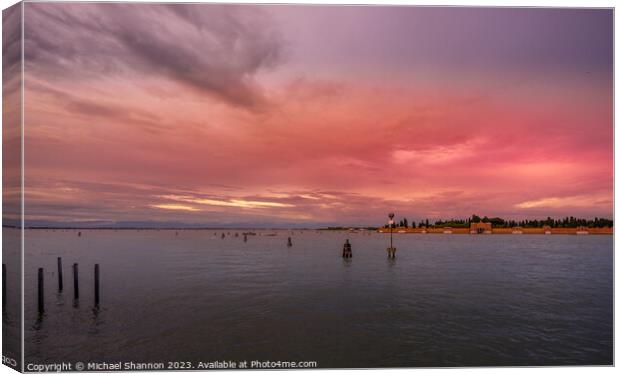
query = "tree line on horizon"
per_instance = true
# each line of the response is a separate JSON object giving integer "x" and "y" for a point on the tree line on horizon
{"x": 568, "y": 222}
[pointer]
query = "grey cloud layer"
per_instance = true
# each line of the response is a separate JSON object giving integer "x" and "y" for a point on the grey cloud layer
{"x": 11, "y": 40}
{"x": 215, "y": 50}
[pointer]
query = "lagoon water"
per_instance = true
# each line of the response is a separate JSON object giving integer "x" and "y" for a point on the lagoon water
{"x": 447, "y": 300}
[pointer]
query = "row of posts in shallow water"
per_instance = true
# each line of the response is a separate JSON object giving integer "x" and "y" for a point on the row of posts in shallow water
{"x": 245, "y": 236}
{"x": 347, "y": 251}
{"x": 76, "y": 285}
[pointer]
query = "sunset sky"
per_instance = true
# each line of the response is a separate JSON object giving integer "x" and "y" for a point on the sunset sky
{"x": 221, "y": 115}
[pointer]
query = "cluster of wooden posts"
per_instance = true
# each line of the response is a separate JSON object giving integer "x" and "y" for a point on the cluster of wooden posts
{"x": 347, "y": 251}
{"x": 76, "y": 285}
{"x": 41, "y": 286}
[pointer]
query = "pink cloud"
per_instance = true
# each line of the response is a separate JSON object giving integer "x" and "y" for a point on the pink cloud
{"x": 305, "y": 147}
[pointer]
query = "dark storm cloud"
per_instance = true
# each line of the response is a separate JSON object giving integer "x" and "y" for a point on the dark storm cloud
{"x": 11, "y": 51}
{"x": 215, "y": 50}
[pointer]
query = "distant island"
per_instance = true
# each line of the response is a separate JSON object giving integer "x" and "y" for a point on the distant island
{"x": 485, "y": 225}
{"x": 473, "y": 224}
{"x": 566, "y": 222}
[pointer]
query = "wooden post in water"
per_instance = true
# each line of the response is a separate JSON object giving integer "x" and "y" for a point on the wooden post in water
{"x": 3, "y": 286}
{"x": 290, "y": 242}
{"x": 391, "y": 250}
{"x": 96, "y": 285}
{"x": 59, "y": 274}
{"x": 41, "y": 292}
{"x": 76, "y": 287}
{"x": 346, "y": 250}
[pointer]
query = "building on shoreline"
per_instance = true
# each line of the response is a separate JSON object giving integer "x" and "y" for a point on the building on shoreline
{"x": 480, "y": 228}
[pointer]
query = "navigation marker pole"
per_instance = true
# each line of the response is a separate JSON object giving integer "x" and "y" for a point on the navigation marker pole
{"x": 391, "y": 250}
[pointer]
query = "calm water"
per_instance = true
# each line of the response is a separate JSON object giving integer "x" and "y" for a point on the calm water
{"x": 447, "y": 300}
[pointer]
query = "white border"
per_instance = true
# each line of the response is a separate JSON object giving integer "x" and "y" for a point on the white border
{"x": 485, "y": 3}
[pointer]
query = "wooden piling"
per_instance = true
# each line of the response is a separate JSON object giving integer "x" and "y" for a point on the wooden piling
{"x": 76, "y": 287}
{"x": 41, "y": 292}
{"x": 346, "y": 250}
{"x": 3, "y": 286}
{"x": 96, "y": 285}
{"x": 290, "y": 242}
{"x": 60, "y": 274}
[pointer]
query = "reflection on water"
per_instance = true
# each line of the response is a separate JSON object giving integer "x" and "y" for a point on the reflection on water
{"x": 446, "y": 300}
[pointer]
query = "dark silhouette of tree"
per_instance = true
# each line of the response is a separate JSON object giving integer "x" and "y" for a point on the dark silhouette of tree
{"x": 567, "y": 222}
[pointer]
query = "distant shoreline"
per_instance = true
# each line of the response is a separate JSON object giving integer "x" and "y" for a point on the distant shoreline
{"x": 172, "y": 228}
{"x": 397, "y": 230}
{"x": 504, "y": 231}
